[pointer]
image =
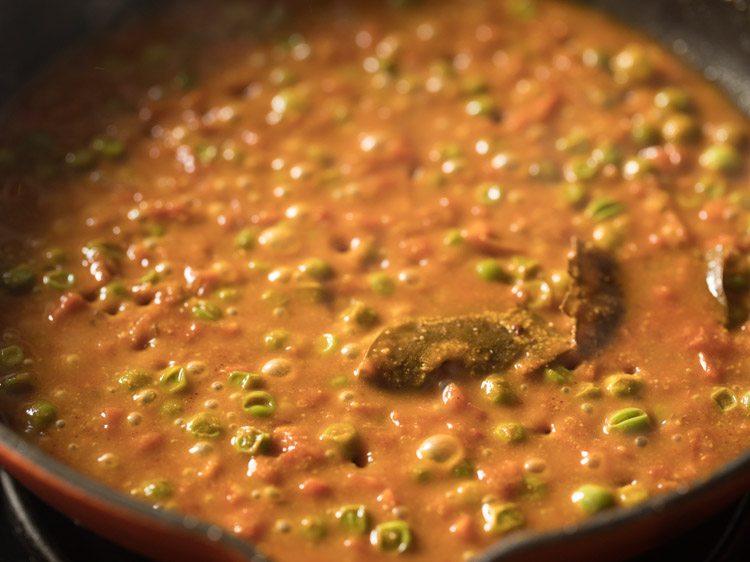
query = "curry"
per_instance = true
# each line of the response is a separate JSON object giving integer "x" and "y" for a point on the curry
{"x": 356, "y": 281}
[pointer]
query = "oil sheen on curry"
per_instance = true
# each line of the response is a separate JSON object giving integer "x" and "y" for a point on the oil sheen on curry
{"x": 388, "y": 279}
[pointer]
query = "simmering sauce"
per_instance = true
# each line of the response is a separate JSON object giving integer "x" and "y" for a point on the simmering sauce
{"x": 207, "y": 220}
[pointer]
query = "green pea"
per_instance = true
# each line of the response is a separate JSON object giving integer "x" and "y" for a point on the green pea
{"x": 388, "y": 64}
{"x": 16, "y": 383}
{"x": 173, "y": 379}
{"x": 134, "y": 379}
{"x": 381, "y": 283}
{"x": 245, "y": 379}
{"x": 490, "y": 270}
{"x": 341, "y": 114}
{"x": 360, "y": 314}
{"x": 313, "y": 528}
{"x": 312, "y": 292}
{"x": 623, "y": 385}
{"x": 631, "y": 66}
{"x": 628, "y": 420}
{"x": 279, "y": 237}
{"x": 276, "y": 339}
{"x": 354, "y": 519}
{"x": 454, "y": 237}
{"x": 252, "y": 441}
{"x": 608, "y": 235}
{"x": 272, "y": 494}
{"x": 102, "y": 250}
{"x": 157, "y": 490}
{"x": 317, "y": 269}
{"x": 592, "y": 498}
{"x": 604, "y": 208}
{"x": 721, "y": 158}
{"x": 473, "y": 85}
{"x": 40, "y": 415}
{"x": 259, "y": 404}
{"x": 150, "y": 278}
{"x": 510, "y": 433}
{"x": 339, "y": 381}
{"x": 632, "y": 494}
{"x": 204, "y": 426}
{"x": 464, "y": 469}
{"x": 489, "y": 193}
{"x": 522, "y": 268}
{"x": 499, "y": 391}
{"x": 645, "y": 134}
{"x": 19, "y": 280}
{"x": 290, "y": 100}
{"x": 711, "y": 187}
{"x": 108, "y": 146}
{"x": 206, "y": 153}
{"x": 607, "y": 154}
{"x": 581, "y": 169}
{"x": 739, "y": 200}
{"x": 483, "y": 106}
{"x": 420, "y": 473}
{"x": 246, "y": 238}
{"x": 635, "y": 168}
{"x": 533, "y": 486}
{"x": 11, "y": 356}
{"x": 559, "y": 284}
{"x": 724, "y": 398}
{"x": 574, "y": 194}
{"x": 672, "y": 99}
{"x": 227, "y": 294}
{"x": 205, "y": 310}
{"x": 392, "y": 537}
{"x": 451, "y": 151}
{"x": 114, "y": 291}
{"x": 502, "y": 517}
{"x": 557, "y": 374}
{"x": 327, "y": 344}
{"x": 343, "y": 438}
{"x": 589, "y": 391}
{"x": 154, "y": 229}
{"x": 538, "y": 293}
{"x": 595, "y": 58}
{"x": 680, "y": 129}
{"x": 574, "y": 143}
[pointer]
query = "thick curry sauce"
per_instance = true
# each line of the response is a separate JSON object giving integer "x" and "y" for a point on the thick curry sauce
{"x": 207, "y": 219}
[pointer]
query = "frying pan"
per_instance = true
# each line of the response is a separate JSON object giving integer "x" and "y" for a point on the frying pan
{"x": 712, "y": 35}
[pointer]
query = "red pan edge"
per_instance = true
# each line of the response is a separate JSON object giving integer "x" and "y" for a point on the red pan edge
{"x": 159, "y": 534}
{"x": 168, "y": 536}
